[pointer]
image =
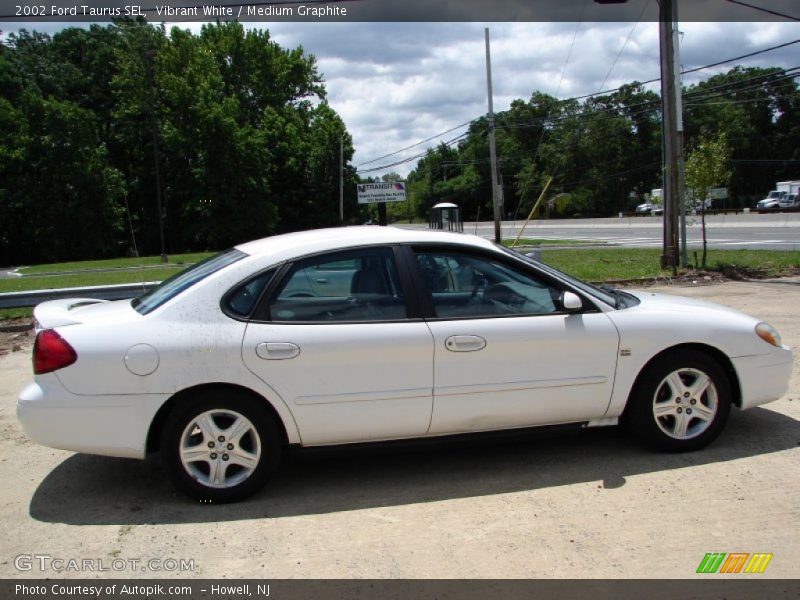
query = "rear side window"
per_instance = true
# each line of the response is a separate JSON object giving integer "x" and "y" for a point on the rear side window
{"x": 351, "y": 286}
{"x": 242, "y": 299}
{"x": 182, "y": 281}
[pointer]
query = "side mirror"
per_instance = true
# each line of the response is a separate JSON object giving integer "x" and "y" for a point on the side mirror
{"x": 570, "y": 302}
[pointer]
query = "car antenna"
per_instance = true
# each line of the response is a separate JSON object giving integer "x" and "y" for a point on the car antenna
{"x": 133, "y": 240}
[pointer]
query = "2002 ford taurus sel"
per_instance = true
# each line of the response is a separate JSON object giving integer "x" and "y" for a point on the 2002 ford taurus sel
{"x": 364, "y": 334}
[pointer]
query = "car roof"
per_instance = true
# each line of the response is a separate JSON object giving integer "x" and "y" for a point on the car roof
{"x": 300, "y": 243}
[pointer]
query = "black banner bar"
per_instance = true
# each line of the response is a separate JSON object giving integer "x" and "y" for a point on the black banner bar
{"x": 175, "y": 11}
{"x": 713, "y": 587}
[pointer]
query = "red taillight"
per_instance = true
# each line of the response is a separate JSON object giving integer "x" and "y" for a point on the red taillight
{"x": 51, "y": 352}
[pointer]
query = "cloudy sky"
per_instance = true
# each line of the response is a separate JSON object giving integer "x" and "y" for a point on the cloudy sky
{"x": 395, "y": 84}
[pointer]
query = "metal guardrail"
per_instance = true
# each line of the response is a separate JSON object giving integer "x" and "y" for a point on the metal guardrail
{"x": 101, "y": 292}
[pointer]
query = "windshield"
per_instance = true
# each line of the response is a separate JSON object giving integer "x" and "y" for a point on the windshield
{"x": 185, "y": 279}
{"x": 596, "y": 292}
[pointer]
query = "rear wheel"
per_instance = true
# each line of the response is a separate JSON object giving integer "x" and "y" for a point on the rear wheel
{"x": 220, "y": 446}
{"x": 680, "y": 403}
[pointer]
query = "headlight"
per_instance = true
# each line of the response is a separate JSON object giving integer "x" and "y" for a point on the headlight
{"x": 769, "y": 334}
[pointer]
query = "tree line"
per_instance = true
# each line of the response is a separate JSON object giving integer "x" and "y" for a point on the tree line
{"x": 232, "y": 131}
{"x": 604, "y": 152}
{"x": 233, "y": 137}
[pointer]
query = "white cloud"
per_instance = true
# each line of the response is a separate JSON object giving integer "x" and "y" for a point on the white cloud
{"x": 398, "y": 83}
{"x": 395, "y": 84}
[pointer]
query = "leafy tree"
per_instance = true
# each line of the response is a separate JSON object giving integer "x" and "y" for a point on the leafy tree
{"x": 236, "y": 126}
{"x": 706, "y": 167}
{"x": 755, "y": 108}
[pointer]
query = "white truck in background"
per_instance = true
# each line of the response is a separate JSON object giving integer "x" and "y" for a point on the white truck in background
{"x": 785, "y": 195}
{"x": 653, "y": 204}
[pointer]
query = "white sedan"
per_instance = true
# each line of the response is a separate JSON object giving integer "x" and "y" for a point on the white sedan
{"x": 364, "y": 334}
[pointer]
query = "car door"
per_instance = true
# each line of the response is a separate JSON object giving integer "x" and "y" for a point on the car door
{"x": 506, "y": 354}
{"x": 353, "y": 362}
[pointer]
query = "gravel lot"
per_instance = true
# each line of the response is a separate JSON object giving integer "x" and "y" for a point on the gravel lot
{"x": 590, "y": 505}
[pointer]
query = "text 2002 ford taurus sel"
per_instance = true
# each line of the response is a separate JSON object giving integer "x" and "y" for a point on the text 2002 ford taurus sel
{"x": 364, "y": 334}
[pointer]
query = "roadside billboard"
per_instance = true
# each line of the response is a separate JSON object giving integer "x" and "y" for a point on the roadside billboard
{"x": 372, "y": 193}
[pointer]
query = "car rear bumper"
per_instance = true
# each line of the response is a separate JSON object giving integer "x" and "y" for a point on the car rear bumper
{"x": 105, "y": 425}
{"x": 763, "y": 378}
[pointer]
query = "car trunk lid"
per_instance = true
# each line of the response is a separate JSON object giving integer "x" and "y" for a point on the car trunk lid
{"x": 73, "y": 311}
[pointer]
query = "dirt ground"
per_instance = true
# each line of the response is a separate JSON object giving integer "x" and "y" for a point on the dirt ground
{"x": 589, "y": 505}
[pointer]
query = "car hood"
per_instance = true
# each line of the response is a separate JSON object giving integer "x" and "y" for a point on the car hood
{"x": 670, "y": 303}
{"x": 661, "y": 321}
{"x": 72, "y": 311}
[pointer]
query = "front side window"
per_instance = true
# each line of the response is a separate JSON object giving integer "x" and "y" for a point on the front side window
{"x": 350, "y": 286}
{"x": 169, "y": 288}
{"x": 594, "y": 291}
{"x": 464, "y": 285}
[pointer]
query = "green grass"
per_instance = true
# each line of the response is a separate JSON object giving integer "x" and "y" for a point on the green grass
{"x": 114, "y": 263}
{"x": 595, "y": 264}
{"x": 15, "y": 313}
{"x": 603, "y": 264}
{"x": 21, "y": 284}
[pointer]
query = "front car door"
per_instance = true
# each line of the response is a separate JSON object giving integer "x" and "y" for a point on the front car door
{"x": 506, "y": 354}
{"x": 338, "y": 341}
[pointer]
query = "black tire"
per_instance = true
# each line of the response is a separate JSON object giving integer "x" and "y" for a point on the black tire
{"x": 235, "y": 467}
{"x": 666, "y": 413}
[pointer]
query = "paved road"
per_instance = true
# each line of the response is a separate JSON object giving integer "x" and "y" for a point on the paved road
{"x": 767, "y": 238}
{"x": 760, "y": 232}
{"x": 764, "y": 232}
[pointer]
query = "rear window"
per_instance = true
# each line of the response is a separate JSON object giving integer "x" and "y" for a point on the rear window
{"x": 182, "y": 281}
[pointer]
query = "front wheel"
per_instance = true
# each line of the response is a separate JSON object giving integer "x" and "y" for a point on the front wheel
{"x": 680, "y": 403}
{"x": 220, "y": 446}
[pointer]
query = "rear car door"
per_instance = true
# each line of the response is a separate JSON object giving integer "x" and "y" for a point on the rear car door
{"x": 506, "y": 355}
{"x": 353, "y": 361}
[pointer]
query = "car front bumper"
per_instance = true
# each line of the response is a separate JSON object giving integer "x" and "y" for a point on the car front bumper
{"x": 105, "y": 425}
{"x": 763, "y": 378}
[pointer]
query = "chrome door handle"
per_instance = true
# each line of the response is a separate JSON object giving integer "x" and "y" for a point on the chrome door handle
{"x": 465, "y": 343}
{"x": 277, "y": 350}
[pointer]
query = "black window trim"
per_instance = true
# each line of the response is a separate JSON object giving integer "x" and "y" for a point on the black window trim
{"x": 223, "y": 303}
{"x": 137, "y": 301}
{"x": 426, "y": 299}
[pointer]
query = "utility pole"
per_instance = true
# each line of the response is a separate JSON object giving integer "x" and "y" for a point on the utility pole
{"x": 492, "y": 150}
{"x": 156, "y": 154}
{"x": 341, "y": 181}
{"x": 672, "y": 128}
{"x": 679, "y": 163}
{"x": 667, "y": 16}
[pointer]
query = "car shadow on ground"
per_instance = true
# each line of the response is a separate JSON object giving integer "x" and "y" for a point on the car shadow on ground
{"x": 93, "y": 490}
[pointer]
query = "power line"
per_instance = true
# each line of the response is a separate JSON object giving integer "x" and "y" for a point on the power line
{"x": 558, "y": 89}
{"x": 693, "y": 70}
{"x": 625, "y": 44}
{"x": 766, "y": 10}
{"x": 696, "y": 96}
{"x": 728, "y": 88}
{"x": 753, "y": 83}
{"x": 729, "y": 102}
{"x": 410, "y": 158}
{"x": 433, "y": 137}
{"x": 754, "y": 161}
